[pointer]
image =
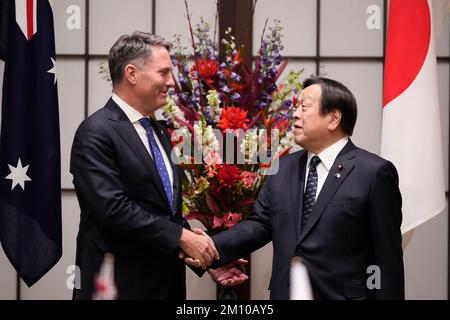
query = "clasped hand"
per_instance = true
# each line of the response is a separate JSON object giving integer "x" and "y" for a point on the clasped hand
{"x": 197, "y": 248}
{"x": 203, "y": 255}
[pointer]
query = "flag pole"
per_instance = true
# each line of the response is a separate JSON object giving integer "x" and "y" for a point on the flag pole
{"x": 446, "y": 195}
{"x": 18, "y": 291}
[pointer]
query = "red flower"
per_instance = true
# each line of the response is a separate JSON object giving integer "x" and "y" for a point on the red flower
{"x": 228, "y": 176}
{"x": 295, "y": 101}
{"x": 206, "y": 69}
{"x": 237, "y": 58}
{"x": 231, "y": 218}
{"x": 233, "y": 118}
{"x": 248, "y": 178}
{"x": 283, "y": 124}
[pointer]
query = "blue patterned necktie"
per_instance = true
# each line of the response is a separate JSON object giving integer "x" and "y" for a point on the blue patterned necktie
{"x": 158, "y": 158}
{"x": 309, "y": 197}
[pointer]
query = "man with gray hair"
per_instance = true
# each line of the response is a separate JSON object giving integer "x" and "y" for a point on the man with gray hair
{"x": 128, "y": 188}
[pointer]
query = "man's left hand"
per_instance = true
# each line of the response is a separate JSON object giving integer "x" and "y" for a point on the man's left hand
{"x": 229, "y": 274}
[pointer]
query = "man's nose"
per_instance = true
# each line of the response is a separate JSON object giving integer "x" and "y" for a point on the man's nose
{"x": 170, "y": 81}
{"x": 297, "y": 113}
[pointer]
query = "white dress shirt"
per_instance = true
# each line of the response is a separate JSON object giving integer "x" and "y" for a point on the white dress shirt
{"x": 134, "y": 116}
{"x": 327, "y": 158}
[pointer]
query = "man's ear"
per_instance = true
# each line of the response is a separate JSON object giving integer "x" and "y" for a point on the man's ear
{"x": 335, "y": 117}
{"x": 129, "y": 73}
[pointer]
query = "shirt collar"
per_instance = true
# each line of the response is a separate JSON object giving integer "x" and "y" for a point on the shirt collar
{"x": 132, "y": 114}
{"x": 328, "y": 155}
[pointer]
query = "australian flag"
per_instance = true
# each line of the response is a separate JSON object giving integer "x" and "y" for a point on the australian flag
{"x": 30, "y": 182}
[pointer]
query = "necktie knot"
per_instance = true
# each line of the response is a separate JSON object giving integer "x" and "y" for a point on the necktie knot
{"x": 314, "y": 162}
{"x": 145, "y": 122}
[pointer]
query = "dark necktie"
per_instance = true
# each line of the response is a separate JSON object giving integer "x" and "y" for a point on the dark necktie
{"x": 309, "y": 197}
{"x": 158, "y": 158}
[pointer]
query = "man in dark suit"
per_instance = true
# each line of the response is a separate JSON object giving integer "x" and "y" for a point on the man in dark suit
{"x": 333, "y": 204}
{"x": 128, "y": 188}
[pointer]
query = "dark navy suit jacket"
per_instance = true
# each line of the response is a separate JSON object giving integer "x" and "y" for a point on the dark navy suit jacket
{"x": 355, "y": 223}
{"x": 124, "y": 209}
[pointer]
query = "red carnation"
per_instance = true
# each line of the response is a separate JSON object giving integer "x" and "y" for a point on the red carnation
{"x": 233, "y": 118}
{"x": 206, "y": 69}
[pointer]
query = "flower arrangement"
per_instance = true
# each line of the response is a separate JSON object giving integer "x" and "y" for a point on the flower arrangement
{"x": 230, "y": 123}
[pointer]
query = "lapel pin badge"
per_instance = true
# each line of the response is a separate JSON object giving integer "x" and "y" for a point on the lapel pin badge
{"x": 340, "y": 168}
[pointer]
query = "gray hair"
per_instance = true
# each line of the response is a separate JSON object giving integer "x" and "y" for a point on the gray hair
{"x": 136, "y": 48}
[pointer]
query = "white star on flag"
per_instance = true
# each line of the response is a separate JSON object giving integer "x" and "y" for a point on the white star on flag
{"x": 53, "y": 69}
{"x": 18, "y": 175}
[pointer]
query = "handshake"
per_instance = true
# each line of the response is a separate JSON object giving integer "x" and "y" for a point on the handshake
{"x": 198, "y": 250}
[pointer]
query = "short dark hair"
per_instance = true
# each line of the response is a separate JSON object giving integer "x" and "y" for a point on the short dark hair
{"x": 336, "y": 96}
{"x": 136, "y": 47}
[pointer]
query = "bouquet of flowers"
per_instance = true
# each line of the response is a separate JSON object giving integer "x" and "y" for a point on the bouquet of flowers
{"x": 230, "y": 123}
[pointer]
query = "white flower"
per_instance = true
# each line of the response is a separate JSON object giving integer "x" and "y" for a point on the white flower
{"x": 213, "y": 158}
{"x": 206, "y": 138}
{"x": 275, "y": 106}
{"x": 287, "y": 141}
{"x": 172, "y": 112}
{"x": 179, "y": 149}
{"x": 249, "y": 145}
{"x": 213, "y": 105}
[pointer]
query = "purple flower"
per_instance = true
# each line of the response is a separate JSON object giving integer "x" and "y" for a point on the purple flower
{"x": 235, "y": 77}
{"x": 287, "y": 104}
{"x": 184, "y": 96}
{"x": 221, "y": 75}
{"x": 225, "y": 89}
{"x": 261, "y": 105}
{"x": 266, "y": 61}
{"x": 235, "y": 97}
{"x": 271, "y": 88}
{"x": 182, "y": 79}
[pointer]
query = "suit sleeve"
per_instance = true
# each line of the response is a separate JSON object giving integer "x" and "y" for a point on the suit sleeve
{"x": 386, "y": 218}
{"x": 101, "y": 192}
{"x": 248, "y": 235}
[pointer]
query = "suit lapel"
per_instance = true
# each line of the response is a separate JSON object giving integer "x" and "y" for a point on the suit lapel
{"x": 126, "y": 130}
{"x": 332, "y": 183}
{"x": 296, "y": 189}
